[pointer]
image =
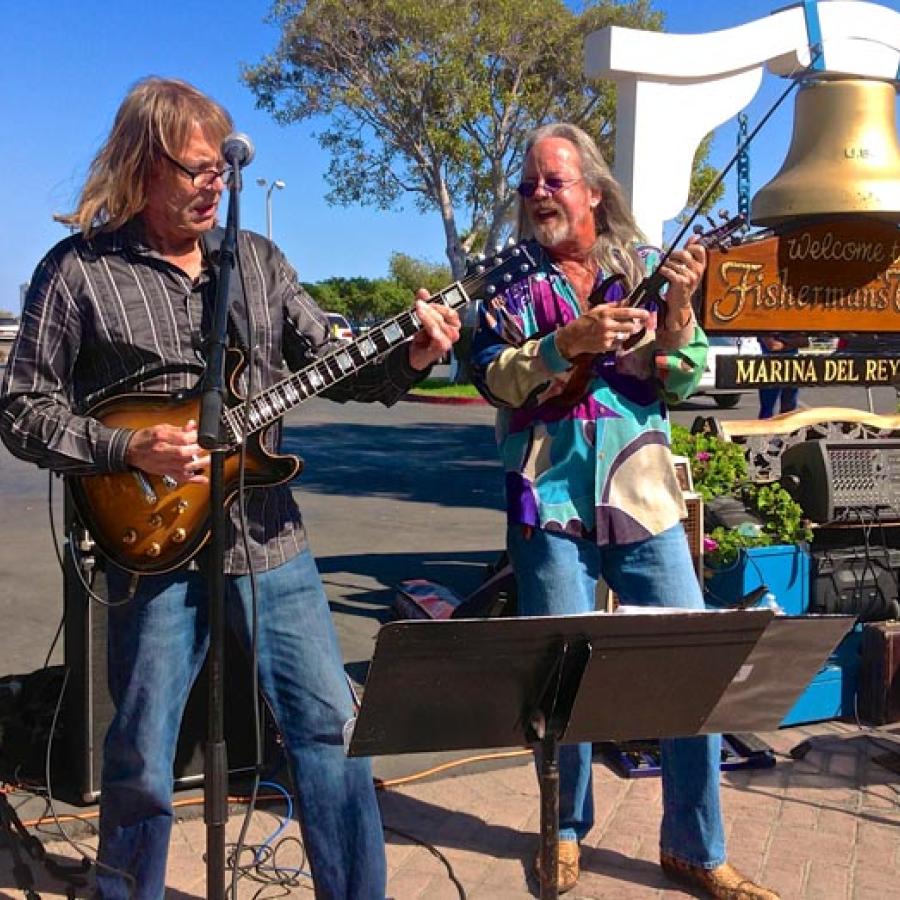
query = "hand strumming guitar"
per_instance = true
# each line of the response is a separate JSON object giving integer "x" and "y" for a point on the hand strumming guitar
{"x": 605, "y": 327}
{"x": 169, "y": 450}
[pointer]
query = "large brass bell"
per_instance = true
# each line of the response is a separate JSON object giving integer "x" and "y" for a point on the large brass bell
{"x": 844, "y": 156}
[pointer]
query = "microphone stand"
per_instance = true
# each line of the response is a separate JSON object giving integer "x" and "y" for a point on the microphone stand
{"x": 215, "y": 783}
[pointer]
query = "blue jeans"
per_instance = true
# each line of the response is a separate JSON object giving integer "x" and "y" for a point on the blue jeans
{"x": 769, "y": 399}
{"x": 157, "y": 644}
{"x": 557, "y": 575}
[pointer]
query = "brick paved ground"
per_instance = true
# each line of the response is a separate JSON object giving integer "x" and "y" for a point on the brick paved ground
{"x": 826, "y": 827}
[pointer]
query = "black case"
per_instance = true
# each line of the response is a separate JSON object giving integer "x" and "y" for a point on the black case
{"x": 879, "y": 674}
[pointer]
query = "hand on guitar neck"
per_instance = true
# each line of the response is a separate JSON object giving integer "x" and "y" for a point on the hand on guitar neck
{"x": 440, "y": 328}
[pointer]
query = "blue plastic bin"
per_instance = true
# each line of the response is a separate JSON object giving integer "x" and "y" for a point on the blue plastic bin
{"x": 783, "y": 568}
{"x": 832, "y": 693}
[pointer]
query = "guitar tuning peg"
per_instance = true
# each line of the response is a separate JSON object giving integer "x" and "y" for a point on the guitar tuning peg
{"x": 490, "y": 290}
{"x": 724, "y": 215}
{"x": 480, "y": 269}
{"x": 698, "y": 229}
{"x": 507, "y": 278}
{"x": 510, "y": 241}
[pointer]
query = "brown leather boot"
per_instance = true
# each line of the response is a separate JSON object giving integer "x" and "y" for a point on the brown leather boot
{"x": 567, "y": 869}
{"x": 723, "y": 882}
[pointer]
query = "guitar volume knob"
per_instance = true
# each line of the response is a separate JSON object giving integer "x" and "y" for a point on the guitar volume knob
{"x": 153, "y": 550}
{"x": 181, "y": 507}
{"x": 179, "y": 535}
{"x": 155, "y": 520}
{"x": 129, "y": 536}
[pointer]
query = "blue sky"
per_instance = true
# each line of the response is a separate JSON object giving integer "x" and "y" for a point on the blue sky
{"x": 68, "y": 64}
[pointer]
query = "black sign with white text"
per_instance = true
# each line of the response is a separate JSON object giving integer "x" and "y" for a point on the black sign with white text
{"x": 806, "y": 370}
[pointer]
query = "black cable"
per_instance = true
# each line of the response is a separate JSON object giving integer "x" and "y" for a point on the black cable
{"x": 264, "y": 868}
{"x": 55, "y": 541}
{"x": 86, "y": 862}
{"x": 71, "y": 872}
{"x": 434, "y": 852}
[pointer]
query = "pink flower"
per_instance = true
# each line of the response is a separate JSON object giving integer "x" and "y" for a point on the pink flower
{"x": 709, "y": 544}
{"x": 703, "y": 455}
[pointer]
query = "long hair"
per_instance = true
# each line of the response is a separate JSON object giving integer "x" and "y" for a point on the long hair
{"x": 157, "y": 116}
{"x": 616, "y": 229}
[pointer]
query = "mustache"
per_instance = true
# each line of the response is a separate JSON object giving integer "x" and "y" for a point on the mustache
{"x": 548, "y": 206}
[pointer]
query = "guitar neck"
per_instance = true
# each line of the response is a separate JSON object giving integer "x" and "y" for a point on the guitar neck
{"x": 272, "y": 403}
{"x": 653, "y": 283}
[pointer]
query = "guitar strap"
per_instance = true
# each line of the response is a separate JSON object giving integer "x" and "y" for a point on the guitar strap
{"x": 237, "y": 305}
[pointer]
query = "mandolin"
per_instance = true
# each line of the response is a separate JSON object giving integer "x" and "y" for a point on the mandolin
{"x": 647, "y": 296}
{"x": 150, "y": 524}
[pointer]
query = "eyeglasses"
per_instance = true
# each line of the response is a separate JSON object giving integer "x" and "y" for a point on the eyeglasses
{"x": 202, "y": 178}
{"x": 551, "y": 185}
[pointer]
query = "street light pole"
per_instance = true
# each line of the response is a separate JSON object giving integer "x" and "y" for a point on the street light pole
{"x": 279, "y": 184}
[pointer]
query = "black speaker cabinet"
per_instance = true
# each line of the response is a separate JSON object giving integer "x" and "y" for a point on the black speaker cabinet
{"x": 861, "y": 581}
{"x": 87, "y": 708}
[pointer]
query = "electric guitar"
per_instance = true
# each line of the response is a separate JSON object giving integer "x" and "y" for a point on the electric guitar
{"x": 645, "y": 295}
{"x": 151, "y": 524}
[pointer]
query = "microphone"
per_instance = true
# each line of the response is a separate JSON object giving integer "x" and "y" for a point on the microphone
{"x": 237, "y": 150}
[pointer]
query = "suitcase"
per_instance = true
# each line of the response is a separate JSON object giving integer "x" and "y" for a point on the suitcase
{"x": 879, "y": 673}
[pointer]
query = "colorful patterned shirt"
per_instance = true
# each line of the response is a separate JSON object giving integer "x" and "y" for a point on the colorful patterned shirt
{"x": 599, "y": 467}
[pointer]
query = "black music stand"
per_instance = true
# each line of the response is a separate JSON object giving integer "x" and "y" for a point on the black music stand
{"x": 467, "y": 684}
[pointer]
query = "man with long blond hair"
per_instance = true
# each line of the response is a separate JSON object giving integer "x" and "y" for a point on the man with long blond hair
{"x": 580, "y": 379}
{"x": 125, "y": 303}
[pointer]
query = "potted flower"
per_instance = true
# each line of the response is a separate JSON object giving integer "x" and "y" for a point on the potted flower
{"x": 769, "y": 549}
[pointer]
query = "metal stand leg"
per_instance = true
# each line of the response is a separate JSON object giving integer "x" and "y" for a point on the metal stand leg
{"x": 549, "y": 783}
{"x": 547, "y": 724}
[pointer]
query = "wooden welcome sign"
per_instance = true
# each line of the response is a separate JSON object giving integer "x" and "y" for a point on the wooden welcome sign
{"x": 836, "y": 276}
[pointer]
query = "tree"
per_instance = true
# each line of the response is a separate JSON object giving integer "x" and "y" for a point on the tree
{"x": 362, "y": 300}
{"x": 412, "y": 274}
{"x": 431, "y": 98}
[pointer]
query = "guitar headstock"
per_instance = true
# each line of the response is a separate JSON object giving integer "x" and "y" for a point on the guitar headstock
{"x": 723, "y": 235}
{"x": 488, "y": 275}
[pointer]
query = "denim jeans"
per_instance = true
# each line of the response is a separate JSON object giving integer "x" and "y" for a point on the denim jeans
{"x": 557, "y": 575}
{"x": 769, "y": 398}
{"x": 157, "y": 644}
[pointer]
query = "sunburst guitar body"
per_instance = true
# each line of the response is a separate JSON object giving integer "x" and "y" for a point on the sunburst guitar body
{"x": 149, "y": 524}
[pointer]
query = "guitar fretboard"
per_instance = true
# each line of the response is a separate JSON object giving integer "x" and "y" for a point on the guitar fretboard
{"x": 272, "y": 403}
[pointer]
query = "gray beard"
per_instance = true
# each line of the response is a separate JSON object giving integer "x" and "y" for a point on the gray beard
{"x": 550, "y": 233}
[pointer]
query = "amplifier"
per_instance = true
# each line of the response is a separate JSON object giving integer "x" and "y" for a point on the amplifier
{"x": 860, "y": 581}
{"x": 837, "y": 479}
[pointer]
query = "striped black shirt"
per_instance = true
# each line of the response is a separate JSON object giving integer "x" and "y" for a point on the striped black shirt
{"x": 109, "y": 315}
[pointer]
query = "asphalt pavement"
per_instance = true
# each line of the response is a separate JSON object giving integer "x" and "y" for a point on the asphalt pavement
{"x": 415, "y": 491}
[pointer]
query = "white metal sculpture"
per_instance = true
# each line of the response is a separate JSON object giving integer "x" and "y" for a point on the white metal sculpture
{"x": 687, "y": 84}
